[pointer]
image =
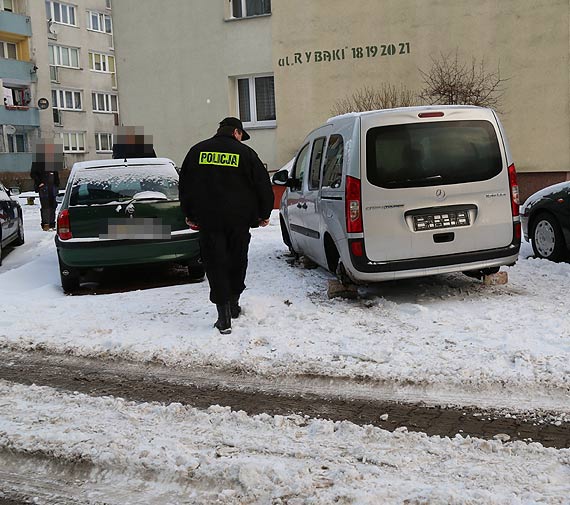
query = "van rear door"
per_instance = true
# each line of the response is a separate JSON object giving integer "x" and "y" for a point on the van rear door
{"x": 434, "y": 186}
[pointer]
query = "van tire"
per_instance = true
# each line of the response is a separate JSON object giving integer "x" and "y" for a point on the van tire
{"x": 285, "y": 236}
{"x": 331, "y": 253}
{"x": 342, "y": 276}
{"x": 547, "y": 238}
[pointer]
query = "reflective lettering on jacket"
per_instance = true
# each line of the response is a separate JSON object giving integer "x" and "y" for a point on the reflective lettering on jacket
{"x": 225, "y": 159}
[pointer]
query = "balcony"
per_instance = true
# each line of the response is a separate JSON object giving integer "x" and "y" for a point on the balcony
{"x": 20, "y": 116}
{"x": 17, "y": 71}
{"x": 15, "y": 162}
{"x": 15, "y": 24}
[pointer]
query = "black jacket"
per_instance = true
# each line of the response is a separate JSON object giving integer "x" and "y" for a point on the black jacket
{"x": 223, "y": 183}
{"x": 39, "y": 175}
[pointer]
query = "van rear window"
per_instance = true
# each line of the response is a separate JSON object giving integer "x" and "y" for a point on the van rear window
{"x": 432, "y": 154}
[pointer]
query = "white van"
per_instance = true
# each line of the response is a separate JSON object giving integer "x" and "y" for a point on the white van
{"x": 407, "y": 192}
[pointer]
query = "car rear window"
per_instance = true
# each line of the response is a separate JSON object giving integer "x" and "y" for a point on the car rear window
{"x": 119, "y": 184}
{"x": 428, "y": 154}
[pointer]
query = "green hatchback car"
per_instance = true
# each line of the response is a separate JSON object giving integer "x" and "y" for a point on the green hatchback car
{"x": 123, "y": 212}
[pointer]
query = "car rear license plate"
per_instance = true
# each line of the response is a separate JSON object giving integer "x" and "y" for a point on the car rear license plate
{"x": 451, "y": 219}
{"x": 136, "y": 229}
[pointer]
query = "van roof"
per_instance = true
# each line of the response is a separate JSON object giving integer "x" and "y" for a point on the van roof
{"x": 418, "y": 109}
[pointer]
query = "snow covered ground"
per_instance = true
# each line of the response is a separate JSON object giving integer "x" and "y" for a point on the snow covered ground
{"x": 443, "y": 335}
{"x": 446, "y": 335}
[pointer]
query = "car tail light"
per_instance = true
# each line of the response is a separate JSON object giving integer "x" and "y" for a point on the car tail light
{"x": 515, "y": 202}
{"x": 357, "y": 247}
{"x": 63, "y": 225}
{"x": 353, "y": 207}
{"x": 430, "y": 114}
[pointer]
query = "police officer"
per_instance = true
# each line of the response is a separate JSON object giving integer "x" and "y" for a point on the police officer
{"x": 225, "y": 191}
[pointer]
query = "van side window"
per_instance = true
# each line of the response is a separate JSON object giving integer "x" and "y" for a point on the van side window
{"x": 301, "y": 165}
{"x": 332, "y": 170}
{"x": 315, "y": 167}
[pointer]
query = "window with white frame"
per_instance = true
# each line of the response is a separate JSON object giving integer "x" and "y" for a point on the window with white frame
{"x": 66, "y": 99}
{"x": 248, "y": 8}
{"x": 8, "y": 50}
{"x": 104, "y": 142}
{"x": 105, "y": 63}
{"x": 7, "y": 5}
{"x": 73, "y": 142}
{"x": 60, "y": 12}
{"x": 99, "y": 22}
{"x": 105, "y": 102}
{"x": 256, "y": 100}
{"x": 17, "y": 143}
{"x": 61, "y": 56}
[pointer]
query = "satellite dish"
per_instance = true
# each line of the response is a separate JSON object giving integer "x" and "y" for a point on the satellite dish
{"x": 10, "y": 130}
{"x": 52, "y": 28}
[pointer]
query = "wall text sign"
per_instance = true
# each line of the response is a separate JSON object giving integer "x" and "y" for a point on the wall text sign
{"x": 345, "y": 53}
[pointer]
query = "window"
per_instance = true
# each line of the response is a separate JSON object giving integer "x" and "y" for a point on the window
{"x": 61, "y": 56}
{"x": 61, "y": 13}
{"x": 73, "y": 142}
{"x": 8, "y": 50}
{"x": 430, "y": 154}
{"x": 17, "y": 143}
{"x": 247, "y": 8}
{"x": 103, "y": 63}
{"x": 17, "y": 96}
{"x": 104, "y": 142}
{"x": 332, "y": 169}
{"x": 66, "y": 99}
{"x": 104, "y": 102}
{"x": 300, "y": 167}
{"x": 108, "y": 4}
{"x": 315, "y": 166}
{"x": 256, "y": 100}
{"x": 7, "y": 5}
{"x": 99, "y": 22}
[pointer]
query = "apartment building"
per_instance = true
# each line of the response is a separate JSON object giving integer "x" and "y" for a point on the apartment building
{"x": 182, "y": 68}
{"x": 60, "y": 81}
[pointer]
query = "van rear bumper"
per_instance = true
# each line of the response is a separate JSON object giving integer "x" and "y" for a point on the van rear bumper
{"x": 365, "y": 270}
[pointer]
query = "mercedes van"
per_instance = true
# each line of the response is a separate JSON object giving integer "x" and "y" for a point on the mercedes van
{"x": 401, "y": 193}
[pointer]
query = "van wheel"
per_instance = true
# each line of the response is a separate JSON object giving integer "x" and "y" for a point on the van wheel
{"x": 547, "y": 239}
{"x": 331, "y": 254}
{"x": 342, "y": 276}
{"x": 285, "y": 236}
{"x": 69, "y": 277}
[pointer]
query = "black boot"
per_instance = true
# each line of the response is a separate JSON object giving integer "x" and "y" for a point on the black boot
{"x": 235, "y": 309}
{"x": 224, "y": 322}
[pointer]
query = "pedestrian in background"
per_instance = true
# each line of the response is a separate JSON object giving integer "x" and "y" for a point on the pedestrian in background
{"x": 225, "y": 191}
{"x": 46, "y": 165}
{"x": 131, "y": 142}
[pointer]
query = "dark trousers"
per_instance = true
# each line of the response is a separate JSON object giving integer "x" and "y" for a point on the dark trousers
{"x": 224, "y": 254}
{"x": 48, "y": 204}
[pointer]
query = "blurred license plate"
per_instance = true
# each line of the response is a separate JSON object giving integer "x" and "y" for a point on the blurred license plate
{"x": 146, "y": 228}
{"x": 443, "y": 220}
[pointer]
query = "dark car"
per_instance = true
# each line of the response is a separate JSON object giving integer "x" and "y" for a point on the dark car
{"x": 117, "y": 213}
{"x": 545, "y": 220}
{"x": 11, "y": 221}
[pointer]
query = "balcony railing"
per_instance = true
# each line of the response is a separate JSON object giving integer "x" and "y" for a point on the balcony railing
{"x": 20, "y": 116}
{"x": 17, "y": 24}
{"x": 17, "y": 70}
{"x": 15, "y": 162}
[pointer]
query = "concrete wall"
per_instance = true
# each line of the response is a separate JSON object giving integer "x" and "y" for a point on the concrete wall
{"x": 528, "y": 39}
{"x": 175, "y": 60}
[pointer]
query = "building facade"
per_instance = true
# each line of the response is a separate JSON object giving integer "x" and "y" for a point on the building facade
{"x": 60, "y": 83}
{"x": 182, "y": 69}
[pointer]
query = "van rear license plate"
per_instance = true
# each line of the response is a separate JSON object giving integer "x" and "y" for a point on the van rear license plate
{"x": 443, "y": 220}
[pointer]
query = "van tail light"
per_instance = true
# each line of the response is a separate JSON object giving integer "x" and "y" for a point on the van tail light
{"x": 515, "y": 202}
{"x": 357, "y": 247}
{"x": 353, "y": 205}
{"x": 63, "y": 225}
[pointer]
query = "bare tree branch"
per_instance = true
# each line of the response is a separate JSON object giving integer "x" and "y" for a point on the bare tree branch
{"x": 387, "y": 96}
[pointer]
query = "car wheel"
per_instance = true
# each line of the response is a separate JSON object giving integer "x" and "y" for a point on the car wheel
{"x": 196, "y": 272}
{"x": 547, "y": 238}
{"x": 69, "y": 277}
{"x": 20, "y": 239}
{"x": 285, "y": 236}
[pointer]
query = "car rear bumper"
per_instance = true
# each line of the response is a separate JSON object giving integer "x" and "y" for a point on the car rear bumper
{"x": 80, "y": 253}
{"x": 364, "y": 270}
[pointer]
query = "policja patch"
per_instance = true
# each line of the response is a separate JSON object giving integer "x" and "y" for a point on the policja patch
{"x": 225, "y": 159}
